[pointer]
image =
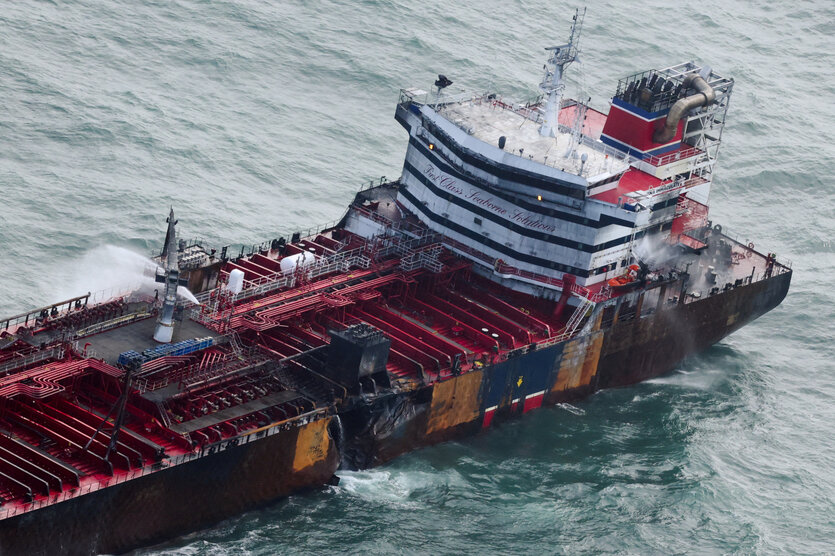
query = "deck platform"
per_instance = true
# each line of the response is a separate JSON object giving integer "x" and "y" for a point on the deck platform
{"x": 139, "y": 336}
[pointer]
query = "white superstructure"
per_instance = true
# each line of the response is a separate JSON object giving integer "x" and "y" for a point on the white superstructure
{"x": 482, "y": 171}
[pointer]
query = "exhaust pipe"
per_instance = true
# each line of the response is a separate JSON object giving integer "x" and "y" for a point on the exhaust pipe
{"x": 703, "y": 97}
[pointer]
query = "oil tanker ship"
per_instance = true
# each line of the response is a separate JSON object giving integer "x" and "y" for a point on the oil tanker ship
{"x": 530, "y": 254}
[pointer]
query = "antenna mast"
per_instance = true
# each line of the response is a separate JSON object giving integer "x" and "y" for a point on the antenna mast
{"x": 552, "y": 84}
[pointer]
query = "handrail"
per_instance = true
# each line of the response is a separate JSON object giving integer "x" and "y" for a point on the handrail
{"x": 34, "y": 355}
{"x": 502, "y": 268}
{"x": 57, "y": 308}
{"x": 663, "y": 159}
{"x": 499, "y": 266}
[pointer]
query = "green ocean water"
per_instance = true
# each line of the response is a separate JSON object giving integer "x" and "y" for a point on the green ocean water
{"x": 257, "y": 118}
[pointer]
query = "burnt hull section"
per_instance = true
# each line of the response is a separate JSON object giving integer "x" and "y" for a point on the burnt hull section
{"x": 628, "y": 351}
{"x": 643, "y": 348}
{"x": 459, "y": 407}
{"x": 179, "y": 499}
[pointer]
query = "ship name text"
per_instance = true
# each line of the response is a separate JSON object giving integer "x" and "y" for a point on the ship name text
{"x": 476, "y": 196}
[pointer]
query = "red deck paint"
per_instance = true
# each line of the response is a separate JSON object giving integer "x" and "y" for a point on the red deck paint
{"x": 632, "y": 180}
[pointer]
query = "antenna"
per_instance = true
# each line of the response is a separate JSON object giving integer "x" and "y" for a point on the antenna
{"x": 552, "y": 84}
{"x": 577, "y": 128}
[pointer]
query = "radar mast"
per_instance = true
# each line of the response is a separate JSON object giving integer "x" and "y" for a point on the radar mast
{"x": 552, "y": 84}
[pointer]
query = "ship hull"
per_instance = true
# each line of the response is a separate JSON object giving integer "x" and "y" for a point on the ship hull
{"x": 187, "y": 497}
{"x": 640, "y": 349}
{"x": 179, "y": 499}
{"x": 625, "y": 352}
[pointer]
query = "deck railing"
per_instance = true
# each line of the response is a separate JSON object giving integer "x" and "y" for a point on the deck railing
{"x": 664, "y": 159}
{"x": 31, "y": 356}
{"x": 338, "y": 262}
{"x": 499, "y": 266}
{"x": 530, "y": 111}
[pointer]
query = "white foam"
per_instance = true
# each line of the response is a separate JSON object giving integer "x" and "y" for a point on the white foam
{"x": 700, "y": 380}
{"x": 571, "y": 408}
{"x": 395, "y": 487}
{"x": 375, "y": 485}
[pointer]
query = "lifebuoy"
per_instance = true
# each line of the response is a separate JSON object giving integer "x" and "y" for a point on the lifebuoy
{"x": 751, "y": 245}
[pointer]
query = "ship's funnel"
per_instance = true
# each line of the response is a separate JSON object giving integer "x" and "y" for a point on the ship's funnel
{"x": 703, "y": 97}
{"x": 165, "y": 324}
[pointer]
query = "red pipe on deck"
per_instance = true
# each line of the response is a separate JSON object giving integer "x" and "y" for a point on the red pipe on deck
{"x": 568, "y": 281}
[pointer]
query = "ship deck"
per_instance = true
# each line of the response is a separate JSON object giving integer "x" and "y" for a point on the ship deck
{"x": 632, "y": 182}
{"x": 267, "y": 362}
{"x": 138, "y": 336}
{"x": 433, "y": 320}
{"x": 489, "y": 120}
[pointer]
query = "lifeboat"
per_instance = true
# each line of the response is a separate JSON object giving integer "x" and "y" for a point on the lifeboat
{"x": 627, "y": 280}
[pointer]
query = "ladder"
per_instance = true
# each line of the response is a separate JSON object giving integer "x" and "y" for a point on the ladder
{"x": 585, "y": 306}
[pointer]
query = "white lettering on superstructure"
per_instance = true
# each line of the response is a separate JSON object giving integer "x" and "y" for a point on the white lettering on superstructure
{"x": 528, "y": 219}
{"x": 532, "y": 221}
{"x": 486, "y": 202}
{"x": 442, "y": 180}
